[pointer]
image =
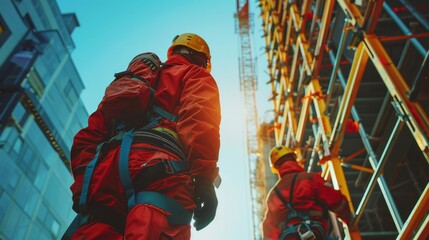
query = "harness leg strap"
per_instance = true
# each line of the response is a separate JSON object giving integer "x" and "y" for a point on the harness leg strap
{"x": 178, "y": 214}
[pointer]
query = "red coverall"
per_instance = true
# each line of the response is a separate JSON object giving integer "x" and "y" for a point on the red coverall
{"x": 310, "y": 190}
{"x": 190, "y": 93}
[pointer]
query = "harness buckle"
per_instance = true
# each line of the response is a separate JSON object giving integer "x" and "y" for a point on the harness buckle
{"x": 167, "y": 166}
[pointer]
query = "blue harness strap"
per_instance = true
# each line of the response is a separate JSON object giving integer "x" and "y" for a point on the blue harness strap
{"x": 124, "y": 172}
{"x": 178, "y": 214}
{"x": 87, "y": 178}
{"x": 161, "y": 112}
{"x": 81, "y": 217}
{"x": 306, "y": 228}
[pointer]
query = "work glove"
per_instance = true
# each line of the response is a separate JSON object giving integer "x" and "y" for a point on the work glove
{"x": 206, "y": 201}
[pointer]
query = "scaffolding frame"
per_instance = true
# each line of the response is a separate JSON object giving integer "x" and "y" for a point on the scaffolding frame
{"x": 298, "y": 37}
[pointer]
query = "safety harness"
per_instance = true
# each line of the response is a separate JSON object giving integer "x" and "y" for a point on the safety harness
{"x": 160, "y": 137}
{"x": 306, "y": 229}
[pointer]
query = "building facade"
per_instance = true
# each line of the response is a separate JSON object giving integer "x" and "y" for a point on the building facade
{"x": 40, "y": 111}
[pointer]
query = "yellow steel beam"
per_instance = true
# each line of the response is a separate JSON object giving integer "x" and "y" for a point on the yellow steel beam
{"x": 306, "y": 55}
{"x": 294, "y": 66}
{"x": 292, "y": 124}
{"x": 322, "y": 35}
{"x": 372, "y": 15}
{"x": 338, "y": 179}
{"x": 303, "y": 118}
{"x": 352, "y": 12}
{"x": 411, "y": 112}
{"x": 283, "y": 125}
{"x": 357, "y": 167}
{"x": 417, "y": 222}
{"x": 294, "y": 15}
{"x": 403, "y": 37}
{"x": 352, "y": 87}
{"x": 288, "y": 39}
{"x": 305, "y": 7}
{"x": 323, "y": 119}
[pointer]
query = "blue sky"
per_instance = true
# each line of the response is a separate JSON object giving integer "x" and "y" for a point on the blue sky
{"x": 112, "y": 32}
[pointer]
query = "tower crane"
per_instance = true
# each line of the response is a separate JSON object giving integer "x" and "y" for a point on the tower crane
{"x": 248, "y": 86}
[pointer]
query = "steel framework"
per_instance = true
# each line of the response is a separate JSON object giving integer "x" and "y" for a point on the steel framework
{"x": 351, "y": 94}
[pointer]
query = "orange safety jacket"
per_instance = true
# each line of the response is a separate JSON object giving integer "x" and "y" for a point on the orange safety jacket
{"x": 188, "y": 92}
{"x": 311, "y": 195}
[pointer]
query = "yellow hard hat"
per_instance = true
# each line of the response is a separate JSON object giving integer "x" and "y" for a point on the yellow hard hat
{"x": 194, "y": 42}
{"x": 278, "y": 152}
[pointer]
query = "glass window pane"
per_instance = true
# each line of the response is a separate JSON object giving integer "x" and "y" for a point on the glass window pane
{"x": 26, "y": 197}
{"x": 17, "y": 145}
{"x": 9, "y": 175}
{"x": 41, "y": 175}
{"x": 4, "y": 206}
{"x": 5, "y": 134}
{"x": 21, "y": 227}
{"x": 13, "y": 215}
{"x": 30, "y": 205}
{"x": 56, "y": 193}
{"x": 19, "y": 112}
{"x": 55, "y": 227}
{"x": 41, "y": 143}
{"x": 41, "y": 214}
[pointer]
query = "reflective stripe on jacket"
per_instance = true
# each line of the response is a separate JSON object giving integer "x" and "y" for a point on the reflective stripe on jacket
{"x": 310, "y": 193}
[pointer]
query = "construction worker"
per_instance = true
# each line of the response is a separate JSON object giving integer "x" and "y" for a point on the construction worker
{"x": 299, "y": 196}
{"x": 166, "y": 190}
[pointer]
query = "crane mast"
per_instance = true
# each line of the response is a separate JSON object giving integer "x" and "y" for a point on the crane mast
{"x": 248, "y": 86}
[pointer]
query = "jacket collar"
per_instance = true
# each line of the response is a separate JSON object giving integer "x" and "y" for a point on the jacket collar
{"x": 177, "y": 59}
{"x": 289, "y": 167}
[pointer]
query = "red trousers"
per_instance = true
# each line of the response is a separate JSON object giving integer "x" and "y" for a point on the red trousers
{"x": 143, "y": 222}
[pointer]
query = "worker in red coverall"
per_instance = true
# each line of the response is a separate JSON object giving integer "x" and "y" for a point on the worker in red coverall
{"x": 311, "y": 195}
{"x": 186, "y": 89}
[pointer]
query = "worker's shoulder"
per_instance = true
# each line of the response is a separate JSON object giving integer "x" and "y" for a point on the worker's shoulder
{"x": 307, "y": 176}
{"x": 186, "y": 70}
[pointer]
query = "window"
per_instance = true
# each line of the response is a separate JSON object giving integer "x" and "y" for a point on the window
{"x": 42, "y": 213}
{"x": 8, "y": 138}
{"x": 55, "y": 227}
{"x": 70, "y": 94}
{"x": 5, "y": 201}
{"x": 52, "y": 224}
{"x": 21, "y": 227}
{"x": 34, "y": 83}
{"x": 10, "y": 177}
{"x": 4, "y": 31}
{"x": 41, "y": 176}
{"x": 26, "y": 196}
{"x": 4, "y": 136}
{"x": 20, "y": 115}
{"x": 17, "y": 145}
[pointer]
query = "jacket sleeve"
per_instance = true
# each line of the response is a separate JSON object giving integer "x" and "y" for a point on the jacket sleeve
{"x": 334, "y": 200}
{"x": 271, "y": 221}
{"x": 198, "y": 124}
{"x": 87, "y": 139}
{"x": 83, "y": 149}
